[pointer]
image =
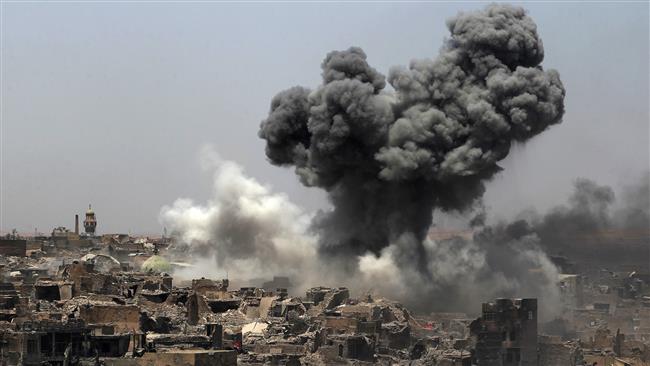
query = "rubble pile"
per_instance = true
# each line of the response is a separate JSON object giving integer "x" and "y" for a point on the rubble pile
{"x": 107, "y": 302}
{"x": 98, "y": 304}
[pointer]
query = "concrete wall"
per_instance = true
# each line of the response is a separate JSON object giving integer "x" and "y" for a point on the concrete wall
{"x": 35, "y": 245}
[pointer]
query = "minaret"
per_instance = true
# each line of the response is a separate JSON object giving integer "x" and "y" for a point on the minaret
{"x": 90, "y": 223}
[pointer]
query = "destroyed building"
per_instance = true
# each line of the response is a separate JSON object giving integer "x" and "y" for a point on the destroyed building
{"x": 70, "y": 299}
{"x": 506, "y": 333}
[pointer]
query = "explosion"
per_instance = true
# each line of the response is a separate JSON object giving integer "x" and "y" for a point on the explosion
{"x": 387, "y": 159}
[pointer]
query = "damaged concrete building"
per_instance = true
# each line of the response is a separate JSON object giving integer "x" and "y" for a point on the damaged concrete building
{"x": 506, "y": 333}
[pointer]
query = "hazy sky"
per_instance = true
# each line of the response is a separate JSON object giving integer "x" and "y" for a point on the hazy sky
{"x": 110, "y": 103}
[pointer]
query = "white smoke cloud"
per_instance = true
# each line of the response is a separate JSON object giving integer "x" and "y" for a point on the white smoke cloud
{"x": 245, "y": 229}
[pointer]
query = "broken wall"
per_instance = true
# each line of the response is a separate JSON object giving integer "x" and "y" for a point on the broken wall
{"x": 125, "y": 318}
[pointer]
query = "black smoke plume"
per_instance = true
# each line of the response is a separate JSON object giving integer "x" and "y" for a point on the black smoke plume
{"x": 594, "y": 227}
{"x": 592, "y": 230}
{"x": 388, "y": 158}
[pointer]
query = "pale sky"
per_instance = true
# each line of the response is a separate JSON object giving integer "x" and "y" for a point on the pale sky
{"x": 110, "y": 103}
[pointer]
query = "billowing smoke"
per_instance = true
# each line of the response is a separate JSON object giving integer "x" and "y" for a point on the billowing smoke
{"x": 634, "y": 211}
{"x": 467, "y": 272}
{"x": 247, "y": 231}
{"x": 594, "y": 227}
{"x": 244, "y": 229}
{"x": 388, "y": 158}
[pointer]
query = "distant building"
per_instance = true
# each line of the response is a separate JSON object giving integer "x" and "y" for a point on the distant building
{"x": 61, "y": 233}
{"x": 90, "y": 223}
{"x": 506, "y": 333}
{"x": 63, "y": 238}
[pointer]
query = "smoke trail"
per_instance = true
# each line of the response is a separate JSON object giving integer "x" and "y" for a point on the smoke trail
{"x": 387, "y": 159}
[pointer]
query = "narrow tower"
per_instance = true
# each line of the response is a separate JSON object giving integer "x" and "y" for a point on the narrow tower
{"x": 90, "y": 223}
